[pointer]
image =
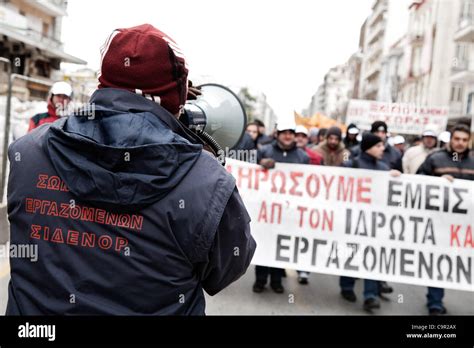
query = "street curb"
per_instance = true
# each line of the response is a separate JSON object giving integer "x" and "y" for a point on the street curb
{"x": 4, "y": 225}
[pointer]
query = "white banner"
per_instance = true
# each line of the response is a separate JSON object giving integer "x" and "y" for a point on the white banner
{"x": 400, "y": 118}
{"x": 360, "y": 223}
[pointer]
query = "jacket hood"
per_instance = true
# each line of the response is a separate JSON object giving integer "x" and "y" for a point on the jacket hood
{"x": 126, "y": 155}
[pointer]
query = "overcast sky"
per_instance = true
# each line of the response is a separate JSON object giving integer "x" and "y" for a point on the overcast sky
{"x": 282, "y": 48}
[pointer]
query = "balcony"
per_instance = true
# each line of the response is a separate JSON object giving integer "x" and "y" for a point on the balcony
{"x": 373, "y": 69}
{"x": 55, "y": 8}
{"x": 463, "y": 71}
{"x": 370, "y": 90}
{"x": 17, "y": 28}
{"x": 374, "y": 51}
{"x": 375, "y": 32}
{"x": 379, "y": 10}
{"x": 465, "y": 32}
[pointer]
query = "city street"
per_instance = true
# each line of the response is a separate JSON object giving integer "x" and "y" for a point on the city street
{"x": 319, "y": 297}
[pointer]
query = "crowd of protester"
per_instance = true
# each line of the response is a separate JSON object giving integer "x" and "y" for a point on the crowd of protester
{"x": 445, "y": 155}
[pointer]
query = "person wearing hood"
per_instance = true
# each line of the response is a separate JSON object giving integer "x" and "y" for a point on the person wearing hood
{"x": 332, "y": 149}
{"x": 59, "y": 98}
{"x": 372, "y": 150}
{"x": 416, "y": 155}
{"x": 350, "y": 139}
{"x": 452, "y": 163}
{"x": 283, "y": 150}
{"x": 130, "y": 215}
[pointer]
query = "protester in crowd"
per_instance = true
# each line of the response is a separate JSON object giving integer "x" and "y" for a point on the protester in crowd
{"x": 416, "y": 141}
{"x": 58, "y": 100}
{"x": 315, "y": 159}
{"x": 247, "y": 144}
{"x": 416, "y": 155}
{"x": 321, "y": 136}
{"x": 313, "y": 136}
{"x": 444, "y": 139}
{"x": 302, "y": 143}
{"x": 332, "y": 148}
{"x": 263, "y": 138}
{"x": 350, "y": 139}
{"x": 391, "y": 156}
{"x": 282, "y": 150}
{"x": 132, "y": 159}
{"x": 453, "y": 162}
{"x": 372, "y": 150}
{"x": 399, "y": 144}
{"x": 253, "y": 130}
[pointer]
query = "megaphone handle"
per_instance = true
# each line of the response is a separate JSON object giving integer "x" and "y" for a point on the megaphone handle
{"x": 213, "y": 145}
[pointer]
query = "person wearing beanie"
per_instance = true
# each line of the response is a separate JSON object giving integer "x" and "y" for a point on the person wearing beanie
{"x": 416, "y": 155}
{"x": 282, "y": 150}
{"x": 391, "y": 156}
{"x": 135, "y": 218}
{"x": 372, "y": 150}
{"x": 332, "y": 149}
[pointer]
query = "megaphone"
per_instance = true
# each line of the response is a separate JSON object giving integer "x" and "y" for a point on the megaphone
{"x": 217, "y": 116}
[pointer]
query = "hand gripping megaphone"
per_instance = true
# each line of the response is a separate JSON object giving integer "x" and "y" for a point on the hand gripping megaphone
{"x": 217, "y": 116}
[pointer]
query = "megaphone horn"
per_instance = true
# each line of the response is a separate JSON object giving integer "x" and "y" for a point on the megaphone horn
{"x": 217, "y": 116}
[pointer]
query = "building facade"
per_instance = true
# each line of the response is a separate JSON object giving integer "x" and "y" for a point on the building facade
{"x": 30, "y": 32}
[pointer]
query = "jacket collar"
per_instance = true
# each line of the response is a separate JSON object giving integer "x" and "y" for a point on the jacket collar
{"x": 123, "y": 101}
{"x": 366, "y": 157}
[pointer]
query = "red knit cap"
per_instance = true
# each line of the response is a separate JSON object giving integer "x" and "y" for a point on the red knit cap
{"x": 144, "y": 60}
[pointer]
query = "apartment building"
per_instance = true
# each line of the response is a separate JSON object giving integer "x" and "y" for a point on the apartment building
{"x": 30, "y": 32}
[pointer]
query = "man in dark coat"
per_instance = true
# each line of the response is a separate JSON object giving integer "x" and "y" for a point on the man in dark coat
{"x": 391, "y": 156}
{"x": 453, "y": 162}
{"x": 372, "y": 150}
{"x": 129, "y": 215}
{"x": 393, "y": 159}
{"x": 283, "y": 150}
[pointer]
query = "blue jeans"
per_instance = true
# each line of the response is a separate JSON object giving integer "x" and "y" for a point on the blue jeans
{"x": 371, "y": 287}
{"x": 435, "y": 298}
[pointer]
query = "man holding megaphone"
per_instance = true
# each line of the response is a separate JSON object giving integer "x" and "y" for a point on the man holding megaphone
{"x": 129, "y": 214}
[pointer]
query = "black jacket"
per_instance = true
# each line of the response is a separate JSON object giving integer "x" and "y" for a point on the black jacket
{"x": 129, "y": 215}
{"x": 293, "y": 155}
{"x": 391, "y": 156}
{"x": 460, "y": 166}
{"x": 365, "y": 161}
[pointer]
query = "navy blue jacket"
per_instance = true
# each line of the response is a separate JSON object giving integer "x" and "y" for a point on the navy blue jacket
{"x": 365, "y": 161}
{"x": 273, "y": 151}
{"x": 130, "y": 215}
{"x": 392, "y": 157}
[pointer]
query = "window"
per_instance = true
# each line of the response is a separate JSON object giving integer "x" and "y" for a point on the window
{"x": 469, "y": 108}
{"x": 456, "y": 93}
{"x": 462, "y": 56}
